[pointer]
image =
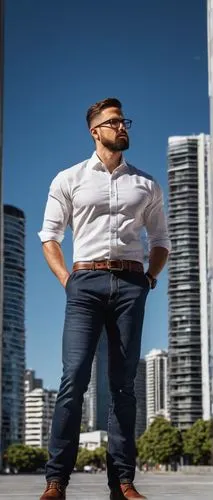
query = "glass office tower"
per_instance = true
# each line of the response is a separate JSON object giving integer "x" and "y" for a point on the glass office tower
{"x": 1, "y": 209}
{"x": 13, "y": 352}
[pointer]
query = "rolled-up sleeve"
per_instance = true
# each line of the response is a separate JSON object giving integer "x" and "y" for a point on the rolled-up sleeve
{"x": 58, "y": 210}
{"x": 156, "y": 222}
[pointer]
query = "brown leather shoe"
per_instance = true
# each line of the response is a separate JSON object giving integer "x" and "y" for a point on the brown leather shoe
{"x": 128, "y": 491}
{"x": 54, "y": 491}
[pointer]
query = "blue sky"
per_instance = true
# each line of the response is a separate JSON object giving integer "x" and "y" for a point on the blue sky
{"x": 61, "y": 57}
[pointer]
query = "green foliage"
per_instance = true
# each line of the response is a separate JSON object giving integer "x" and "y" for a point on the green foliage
{"x": 99, "y": 457}
{"x": 197, "y": 442}
{"x": 86, "y": 457}
{"x": 84, "y": 428}
{"x": 26, "y": 458}
{"x": 161, "y": 443}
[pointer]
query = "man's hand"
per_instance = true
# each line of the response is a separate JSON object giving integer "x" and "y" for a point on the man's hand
{"x": 149, "y": 280}
{"x": 65, "y": 280}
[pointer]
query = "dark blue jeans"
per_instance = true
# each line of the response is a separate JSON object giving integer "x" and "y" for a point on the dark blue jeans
{"x": 97, "y": 298}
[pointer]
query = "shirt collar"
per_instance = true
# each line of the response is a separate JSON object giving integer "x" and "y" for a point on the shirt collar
{"x": 96, "y": 164}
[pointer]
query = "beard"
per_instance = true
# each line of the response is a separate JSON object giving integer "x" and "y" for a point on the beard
{"x": 120, "y": 144}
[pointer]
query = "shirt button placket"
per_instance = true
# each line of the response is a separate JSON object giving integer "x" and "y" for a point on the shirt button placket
{"x": 113, "y": 217}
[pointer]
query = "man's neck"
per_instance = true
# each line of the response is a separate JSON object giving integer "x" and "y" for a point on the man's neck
{"x": 111, "y": 159}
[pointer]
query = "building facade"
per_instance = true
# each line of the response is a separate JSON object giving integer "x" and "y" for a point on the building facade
{"x": 156, "y": 385}
{"x": 1, "y": 214}
{"x": 210, "y": 191}
{"x": 140, "y": 394}
{"x": 93, "y": 440}
{"x": 13, "y": 345}
{"x": 39, "y": 408}
{"x": 189, "y": 292}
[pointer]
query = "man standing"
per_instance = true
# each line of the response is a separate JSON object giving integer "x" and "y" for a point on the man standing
{"x": 107, "y": 202}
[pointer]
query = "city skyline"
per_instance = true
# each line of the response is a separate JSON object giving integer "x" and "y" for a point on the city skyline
{"x": 49, "y": 90}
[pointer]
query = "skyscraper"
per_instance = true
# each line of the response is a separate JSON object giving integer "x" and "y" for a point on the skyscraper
{"x": 210, "y": 190}
{"x": 1, "y": 213}
{"x": 13, "y": 359}
{"x": 156, "y": 385}
{"x": 189, "y": 291}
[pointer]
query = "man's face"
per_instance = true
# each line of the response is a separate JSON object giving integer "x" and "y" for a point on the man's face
{"x": 113, "y": 136}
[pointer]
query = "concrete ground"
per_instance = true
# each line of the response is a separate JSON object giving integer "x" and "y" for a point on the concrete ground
{"x": 171, "y": 486}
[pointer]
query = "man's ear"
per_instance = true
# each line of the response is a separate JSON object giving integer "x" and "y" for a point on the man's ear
{"x": 94, "y": 134}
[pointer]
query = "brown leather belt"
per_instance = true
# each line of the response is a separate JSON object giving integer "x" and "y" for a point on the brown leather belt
{"x": 109, "y": 265}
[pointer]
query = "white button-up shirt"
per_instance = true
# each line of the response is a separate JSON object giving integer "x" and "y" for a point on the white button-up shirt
{"x": 106, "y": 212}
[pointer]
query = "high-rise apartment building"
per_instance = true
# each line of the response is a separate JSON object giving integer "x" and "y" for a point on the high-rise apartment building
{"x": 140, "y": 393}
{"x": 39, "y": 408}
{"x": 13, "y": 358}
{"x": 156, "y": 385}
{"x": 189, "y": 291}
{"x": 210, "y": 191}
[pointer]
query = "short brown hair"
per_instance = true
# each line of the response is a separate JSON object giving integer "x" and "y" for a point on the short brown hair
{"x": 96, "y": 108}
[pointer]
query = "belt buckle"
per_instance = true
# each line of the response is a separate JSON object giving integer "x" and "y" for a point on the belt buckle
{"x": 111, "y": 268}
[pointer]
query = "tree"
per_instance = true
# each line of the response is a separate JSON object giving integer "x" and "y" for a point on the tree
{"x": 197, "y": 442}
{"x": 95, "y": 457}
{"x": 99, "y": 457}
{"x": 161, "y": 443}
{"x": 84, "y": 428}
{"x": 26, "y": 458}
{"x": 84, "y": 457}
{"x": 211, "y": 437}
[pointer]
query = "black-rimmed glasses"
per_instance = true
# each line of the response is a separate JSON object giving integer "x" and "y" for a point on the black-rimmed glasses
{"x": 115, "y": 123}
